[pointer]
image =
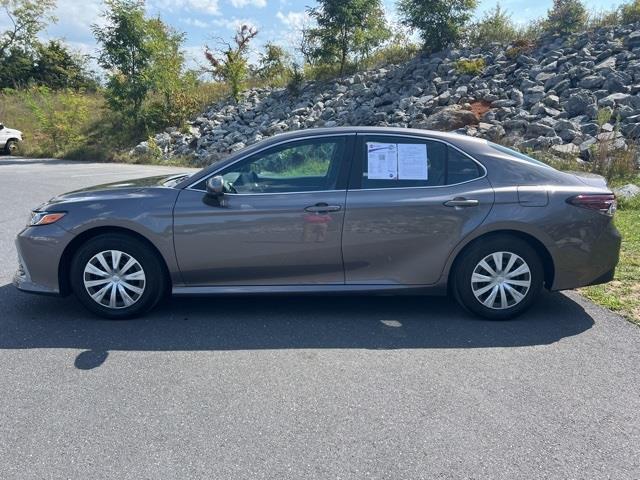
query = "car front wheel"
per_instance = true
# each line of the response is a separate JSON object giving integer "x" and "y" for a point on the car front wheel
{"x": 498, "y": 277}
{"x": 117, "y": 276}
{"x": 11, "y": 147}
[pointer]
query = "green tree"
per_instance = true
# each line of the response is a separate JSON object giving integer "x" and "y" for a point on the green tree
{"x": 439, "y": 22}
{"x": 126, "y": 52}
{"x": 566, "y": 16}
{"x": 50, "y": 64}
{"x": 345, "y": 28}
{"x": 274, "y": 63}
{"x": 57, "y": 67}
{"x": 26, "y": 18}
{"x": 172, "y": 85}
{"x": 630, "y": 12}
{"x": 495, "y": 26}
{"x": 230, "y": 64}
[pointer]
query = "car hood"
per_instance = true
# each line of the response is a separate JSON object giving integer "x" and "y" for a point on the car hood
{"x": 12, "y": 131}
{"x": 117, "y": 189}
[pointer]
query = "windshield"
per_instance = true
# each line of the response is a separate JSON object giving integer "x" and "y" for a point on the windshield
{"x": 518, "y": 155}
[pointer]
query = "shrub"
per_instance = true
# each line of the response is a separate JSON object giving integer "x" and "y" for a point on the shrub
{"x": 296, "y": 80}
{"x": 495, "y": 26}
{"x": 60, "y": 118}
{"x": 230, "y": 64}
{"x": 604, "y": 19}
{"x": 472, "y": 67}
{"x": 630, "y": 12}
{"x": 566, "y": 16}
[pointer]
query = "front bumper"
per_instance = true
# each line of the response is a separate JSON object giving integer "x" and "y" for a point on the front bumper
{"x": 40, "y": 250}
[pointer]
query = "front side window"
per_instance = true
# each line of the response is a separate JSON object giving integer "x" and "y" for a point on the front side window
{"x": 304, "y": 166}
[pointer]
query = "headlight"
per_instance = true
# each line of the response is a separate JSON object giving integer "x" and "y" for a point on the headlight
{"x": 44, "y": 218}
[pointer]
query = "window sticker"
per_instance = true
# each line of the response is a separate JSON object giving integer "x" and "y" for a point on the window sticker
{"x": 397, "y": 161}
{"x": 382, "y": 161}
{"x": 412, "y": 161}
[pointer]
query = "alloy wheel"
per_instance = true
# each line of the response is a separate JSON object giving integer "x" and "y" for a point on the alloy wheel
{"x": 501, "y": 280}
{"x": 114, "y": 279}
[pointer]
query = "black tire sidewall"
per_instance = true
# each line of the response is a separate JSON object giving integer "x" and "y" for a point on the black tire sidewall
{"x": 8, "y": 147}
{"x": 479, "y": 250}
{"x": 148, "y": 259}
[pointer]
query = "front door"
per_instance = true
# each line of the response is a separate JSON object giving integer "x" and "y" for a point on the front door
{"x": 279, "y": 224}
{"x": 410, "y": 202}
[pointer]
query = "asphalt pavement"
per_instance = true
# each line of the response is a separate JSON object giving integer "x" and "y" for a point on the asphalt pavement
{"x": 304, "y": 387}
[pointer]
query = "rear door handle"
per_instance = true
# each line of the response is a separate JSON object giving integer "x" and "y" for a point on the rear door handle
{"x": 323, "y": 208}
{"x": 459, "y": 202}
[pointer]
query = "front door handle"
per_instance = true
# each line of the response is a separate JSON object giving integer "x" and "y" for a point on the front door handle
{"x": 323, "y": 208}
{"x": 459, "y": 202}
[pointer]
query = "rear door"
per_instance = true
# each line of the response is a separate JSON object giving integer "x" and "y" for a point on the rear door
{"x": 410, "y": 201}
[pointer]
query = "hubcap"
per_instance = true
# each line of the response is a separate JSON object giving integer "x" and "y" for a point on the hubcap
{"x": 114, "y": 279}
{"x": 501, "y": 280}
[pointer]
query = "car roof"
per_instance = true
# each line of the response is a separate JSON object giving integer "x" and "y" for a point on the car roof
{"x": 449, "y": 136}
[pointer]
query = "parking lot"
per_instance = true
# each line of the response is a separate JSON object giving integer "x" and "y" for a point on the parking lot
{"x": 304, "y": 387}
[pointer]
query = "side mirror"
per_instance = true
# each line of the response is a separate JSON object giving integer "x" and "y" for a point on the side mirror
{"x": 1, "y": 126}
{"x": 215, "y": 186}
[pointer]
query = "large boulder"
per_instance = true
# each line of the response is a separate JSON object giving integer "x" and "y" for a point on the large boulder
{"x": 449, "y": 118}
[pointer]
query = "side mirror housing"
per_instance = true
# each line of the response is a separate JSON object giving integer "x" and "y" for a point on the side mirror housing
{"x": 215, "y": 186}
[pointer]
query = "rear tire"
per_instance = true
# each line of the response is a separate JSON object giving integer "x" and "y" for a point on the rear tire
{"x": 498, "y": 277}
{"x": 117, "y": 276}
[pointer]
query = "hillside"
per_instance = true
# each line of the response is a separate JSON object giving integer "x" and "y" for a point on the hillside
{"x": 565, "y": 95}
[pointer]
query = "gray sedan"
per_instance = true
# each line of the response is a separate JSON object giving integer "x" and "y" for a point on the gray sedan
{"x": 376, "y": 210}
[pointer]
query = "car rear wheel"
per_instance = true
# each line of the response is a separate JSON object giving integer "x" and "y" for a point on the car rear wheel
{"x": 498, "y": 277}
{"x": 117, "y": 276}
{"x": 11, "y": 147}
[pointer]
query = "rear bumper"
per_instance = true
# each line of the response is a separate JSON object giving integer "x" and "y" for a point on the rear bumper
{"x": 588, "y": 263}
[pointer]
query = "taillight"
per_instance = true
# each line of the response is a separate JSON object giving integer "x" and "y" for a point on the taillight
{"x": 603, "y": 203}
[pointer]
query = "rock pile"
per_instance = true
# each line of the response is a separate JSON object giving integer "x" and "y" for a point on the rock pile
{"x": 566, "y": 95}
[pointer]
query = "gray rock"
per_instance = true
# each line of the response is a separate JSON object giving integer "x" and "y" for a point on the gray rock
{"x": 567, "y": 149}
{"x": 592, "y": 82}
{"x": 627, "y": 191}
{"x": 578, "y": 104}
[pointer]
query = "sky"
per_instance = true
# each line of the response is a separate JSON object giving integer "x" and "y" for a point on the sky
{"x": 277, "y": 20}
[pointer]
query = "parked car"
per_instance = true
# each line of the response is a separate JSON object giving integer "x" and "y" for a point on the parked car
{"x": 343, "y": 210}
{"x": 10, "y": 140}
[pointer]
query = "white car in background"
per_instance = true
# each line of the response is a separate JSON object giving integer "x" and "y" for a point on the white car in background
{"x": 9, "y": 139}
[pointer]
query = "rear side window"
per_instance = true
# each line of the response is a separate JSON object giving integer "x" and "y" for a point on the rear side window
{"x": 392, "y": 162}
{"x": 396, "y": 162}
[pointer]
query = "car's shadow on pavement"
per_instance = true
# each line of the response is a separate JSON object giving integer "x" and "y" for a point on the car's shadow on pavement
{"x": 280, "y": 322}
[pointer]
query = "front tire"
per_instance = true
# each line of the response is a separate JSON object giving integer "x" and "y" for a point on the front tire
{"x": 117, "y": 276}
{"x": 499, "y": 277}
{"x": 12, "y": 147}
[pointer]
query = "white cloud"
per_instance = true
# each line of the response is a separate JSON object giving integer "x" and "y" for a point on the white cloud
{"x": 207, "y": 7}
{"x": 210, "y": 7}
{"x": 294, "y": 20}
{"x": 194, "y": 22}
{"x": 244, "y": 3}
{"x": 234, "y": 23}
